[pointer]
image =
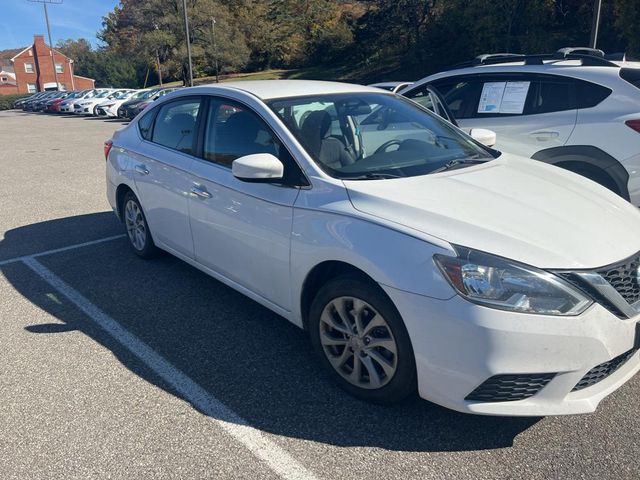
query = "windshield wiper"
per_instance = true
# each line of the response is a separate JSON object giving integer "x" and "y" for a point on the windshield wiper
{"x": 373, "y": 176}
{"x": 458, "y": 161}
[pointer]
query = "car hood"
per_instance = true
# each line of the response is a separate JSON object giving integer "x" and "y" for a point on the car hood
{"x": 513, "y": 207}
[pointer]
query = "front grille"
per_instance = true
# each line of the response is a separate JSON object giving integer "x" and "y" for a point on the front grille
{"x": 602, "y": 371}
{"x": 509, "y": 388}
{"x": 624, "y": 278}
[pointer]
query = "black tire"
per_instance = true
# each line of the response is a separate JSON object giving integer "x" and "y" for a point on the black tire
{"x": 402, "y": 382}
{"x": 145, "y": 248}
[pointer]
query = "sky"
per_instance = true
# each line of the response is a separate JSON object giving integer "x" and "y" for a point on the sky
{"x": 21, "y": 19}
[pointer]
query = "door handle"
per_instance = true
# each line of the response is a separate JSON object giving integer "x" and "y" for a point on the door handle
{"x": 200, "y": 191}
{"x": 544, "y": 135}
{"x": 141, "y": 169}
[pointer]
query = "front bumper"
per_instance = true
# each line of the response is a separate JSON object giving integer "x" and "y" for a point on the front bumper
{"x": 459, "y": 345}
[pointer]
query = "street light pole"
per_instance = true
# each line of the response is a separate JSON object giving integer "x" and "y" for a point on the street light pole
{"x": 186, "y": 31}
{"x": 46, "y": 16}
{"x": 597, "y": 6}
{"x": 215, "y": 50}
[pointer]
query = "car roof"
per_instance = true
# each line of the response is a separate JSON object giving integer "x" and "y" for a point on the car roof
{"x": 567, "y": 68}
{"x": 270, "y": 89}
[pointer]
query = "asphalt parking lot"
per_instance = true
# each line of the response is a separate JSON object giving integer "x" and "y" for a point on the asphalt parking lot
{"x": 114, "y": 367}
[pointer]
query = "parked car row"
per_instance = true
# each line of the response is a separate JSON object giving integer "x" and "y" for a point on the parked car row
{"x": 100, "y": 102}
{"x": 575, "y": 109}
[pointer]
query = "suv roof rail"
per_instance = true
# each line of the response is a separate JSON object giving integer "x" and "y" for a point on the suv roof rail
{"x": 560, "y": 55}
{"x": 481, "y": 59}
{"x": 580, "y": 51}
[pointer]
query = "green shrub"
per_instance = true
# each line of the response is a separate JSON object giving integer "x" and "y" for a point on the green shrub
{"x": 6, "y": 101}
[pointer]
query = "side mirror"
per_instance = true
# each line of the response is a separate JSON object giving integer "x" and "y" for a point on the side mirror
{"x": 484, "y": 136}
{"x": 259, "y": 167}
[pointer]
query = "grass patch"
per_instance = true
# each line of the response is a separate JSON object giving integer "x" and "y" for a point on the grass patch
{"x": 366, "y": 72}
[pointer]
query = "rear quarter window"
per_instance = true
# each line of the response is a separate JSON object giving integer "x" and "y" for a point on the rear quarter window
{"x": 631, "y": 75}
{"x": 589, "y": 94}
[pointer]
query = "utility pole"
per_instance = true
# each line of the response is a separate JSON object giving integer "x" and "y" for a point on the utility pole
{"x": 159, "y": 68}
{"x": 597, "y": 6}
{"x": 186, "y": 32}
{"x": 215, "y": 50}
{"x": 46, "y": 17}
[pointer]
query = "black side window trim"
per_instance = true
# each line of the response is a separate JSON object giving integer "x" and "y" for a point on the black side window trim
{"x": 202, "y": 127}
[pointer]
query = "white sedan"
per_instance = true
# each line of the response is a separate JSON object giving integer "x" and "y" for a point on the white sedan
{"x": 109, "y": 108}
{"x": 415, "y": 257}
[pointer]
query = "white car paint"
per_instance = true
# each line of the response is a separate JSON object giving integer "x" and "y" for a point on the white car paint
{"x": 111, "y": 106}
{"x": 86, "y": 106}
{"x": 264, "y": 240}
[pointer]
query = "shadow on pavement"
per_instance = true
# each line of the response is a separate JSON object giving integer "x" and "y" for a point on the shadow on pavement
{"x": 254, "y": 361}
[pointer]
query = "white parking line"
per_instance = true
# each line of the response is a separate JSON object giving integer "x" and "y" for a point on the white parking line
{"x": 274, "y": 456}
{"x": 61, "y": 249}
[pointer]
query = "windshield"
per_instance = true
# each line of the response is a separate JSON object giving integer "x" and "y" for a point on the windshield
{"x": 121, "y": 95}
{"x": 148, "y": 94}
{"x": 106, "y": 93}
{"x": 138, "y": 95}
{"x": 376, "y": 135}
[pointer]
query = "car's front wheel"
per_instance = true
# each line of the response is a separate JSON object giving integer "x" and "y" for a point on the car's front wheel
{"x": 137, "y": 228}
{"x": 362, "y": 340}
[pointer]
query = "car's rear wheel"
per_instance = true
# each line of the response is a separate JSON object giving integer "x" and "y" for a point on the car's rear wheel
{"x": 362, "y": 341}
{"x": 137, "y": 228}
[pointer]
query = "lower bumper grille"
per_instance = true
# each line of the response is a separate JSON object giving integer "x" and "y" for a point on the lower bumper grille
{"x": 509, "y": 388}
{"x": 602, "y": 371}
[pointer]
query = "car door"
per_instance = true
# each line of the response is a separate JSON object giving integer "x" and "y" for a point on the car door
{"x": 430, "y": 98}
{"x": 161, "y": 167}
{"x": 242, "y": 230}
{"x": 528, "y": 112}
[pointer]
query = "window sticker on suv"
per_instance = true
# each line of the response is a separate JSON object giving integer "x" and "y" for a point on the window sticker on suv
{"x": 503, "y": 97}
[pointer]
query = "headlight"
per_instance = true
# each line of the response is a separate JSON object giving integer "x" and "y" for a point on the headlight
{"x": 500, "y": 283}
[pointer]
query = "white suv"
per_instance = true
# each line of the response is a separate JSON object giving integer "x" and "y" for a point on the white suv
{"x": 580, "y": 112}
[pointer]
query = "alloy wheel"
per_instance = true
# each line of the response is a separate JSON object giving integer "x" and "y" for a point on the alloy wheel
{"x": 136, "y": 228}
{"x": 358, "y": 342}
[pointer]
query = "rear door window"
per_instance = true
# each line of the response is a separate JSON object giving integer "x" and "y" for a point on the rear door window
{"x": 175, "y": 125}
{"x": 551, "y": 95}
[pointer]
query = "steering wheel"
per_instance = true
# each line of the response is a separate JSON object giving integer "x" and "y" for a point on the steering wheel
{"x": 385, "y": 146}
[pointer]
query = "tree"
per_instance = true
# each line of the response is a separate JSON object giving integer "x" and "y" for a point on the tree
{"x": 627, "y": 21}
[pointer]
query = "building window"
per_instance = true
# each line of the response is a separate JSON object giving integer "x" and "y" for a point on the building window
{"x": 32, "y": 87}
{"x": 59, "y": 68}
{"x": 28, "y": 67}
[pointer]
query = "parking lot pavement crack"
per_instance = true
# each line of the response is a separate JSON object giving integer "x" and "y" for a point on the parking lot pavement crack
{"x": 278, "y": 460}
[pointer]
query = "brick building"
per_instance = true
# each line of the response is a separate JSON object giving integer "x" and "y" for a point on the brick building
{"x": 31, "y": 71}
